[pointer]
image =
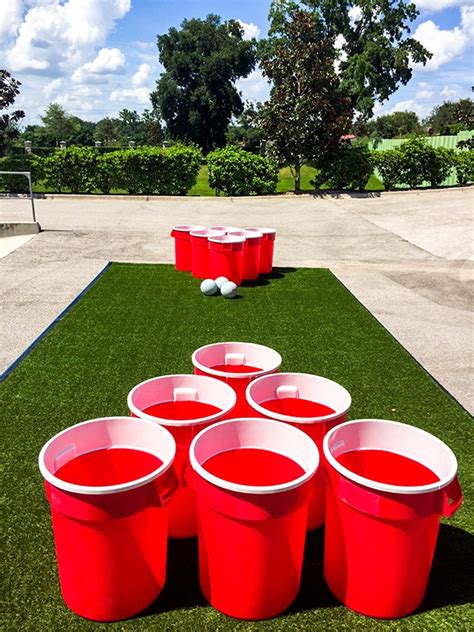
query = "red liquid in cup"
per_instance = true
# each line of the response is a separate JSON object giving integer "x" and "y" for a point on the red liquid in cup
{"x": 252, "y": 466}
{"x": 182, "y": 410}
{"x": 387, "y": 467}
{"x": 236, "y": 368}
{"x": 108, "y": 466}
{"x": 297, "y": 407}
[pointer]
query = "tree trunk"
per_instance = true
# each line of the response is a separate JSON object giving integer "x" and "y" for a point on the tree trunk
{"x": 297, "y": 178}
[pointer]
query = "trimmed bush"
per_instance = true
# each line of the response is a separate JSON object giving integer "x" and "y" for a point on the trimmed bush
{"x": 19, "y": 184}
{"x": 464, "y": 166}
{"x": 72, "y": 169}
{"x": 350, "y": 168}
{"x": 106, "y": 173}
{"x": 388, "y": 164}
{"x": 237, "y": 172}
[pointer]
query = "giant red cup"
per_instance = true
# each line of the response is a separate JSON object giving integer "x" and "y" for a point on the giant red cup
{"x": 191, "y": 403}
{"x": 295, "y": 399}
{"x": 266, "y": 249}
{"x": 111, "y": 541}
{"x": 200, "y": 251}
{"x": 226, "y": 254}
{"x": 237, "y": 364}
{"x": 251, "y": 256}
{"x": 380, "y": 538}
{"x": 251, "y": 537}
{"x": 226, "y": 229}
{"x": 182, "y": 245}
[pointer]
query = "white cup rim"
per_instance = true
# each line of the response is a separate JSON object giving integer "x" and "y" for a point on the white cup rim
{"x": 229, "y": 374}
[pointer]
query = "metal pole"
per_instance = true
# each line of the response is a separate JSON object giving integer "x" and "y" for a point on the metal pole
{"x": 32, "y": 198}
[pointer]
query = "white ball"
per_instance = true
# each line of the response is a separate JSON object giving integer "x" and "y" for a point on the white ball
{"x": 208, "y": 287}
{"x": 220, "y": 281}
{"x": 229, "y": 289}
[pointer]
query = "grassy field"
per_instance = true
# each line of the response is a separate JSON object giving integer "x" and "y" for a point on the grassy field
{"x": 139, "y": 321}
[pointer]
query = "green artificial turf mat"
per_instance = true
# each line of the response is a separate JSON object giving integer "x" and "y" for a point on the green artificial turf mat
{"x": 139, "y": 321}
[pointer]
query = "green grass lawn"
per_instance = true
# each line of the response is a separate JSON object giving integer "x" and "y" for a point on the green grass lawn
{"x": 140, "y": 321}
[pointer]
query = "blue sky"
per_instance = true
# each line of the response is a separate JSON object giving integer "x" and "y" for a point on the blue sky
{"x": 95, "y": 57}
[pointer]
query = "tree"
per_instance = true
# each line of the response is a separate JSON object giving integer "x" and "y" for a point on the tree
{"x": 307, "y": 112}
{"x": 245, "y": 130}
{"x": 83, "y": 133}
{"x": 9, "y": 90}
{"x": 196, "y": 95}
{"x": 132, "y": 127}
{"x": 59, "y": 125}
{"x": 452, "y": 117}
{"x": 107, "y": 131}
{"x": 327, "y": 58}
{"x": 153, "y": 130}
{"x": 397, "y": 124}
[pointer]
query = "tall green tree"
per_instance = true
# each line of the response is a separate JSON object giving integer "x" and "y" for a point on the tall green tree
{"x": 245, "y": 131}
{"x": 196, "y": 95}
{"x": 367, "y": 54}
{"x": 9, "y": 90}
{"x": 108, "y": 131}
{"x": 452, "y": 117}
{"x": 58, "y": 124}
{"x": 397, "y": 124}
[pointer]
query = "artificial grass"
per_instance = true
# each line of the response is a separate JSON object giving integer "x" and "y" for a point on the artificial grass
{"x": 139, "y": 321}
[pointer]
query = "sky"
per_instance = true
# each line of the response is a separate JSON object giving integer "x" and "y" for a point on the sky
{"x": 96, "y": 57}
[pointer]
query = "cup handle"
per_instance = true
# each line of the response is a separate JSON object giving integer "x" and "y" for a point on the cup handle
{"x": 167, "y": 485}
{"x": 452, "y": 492}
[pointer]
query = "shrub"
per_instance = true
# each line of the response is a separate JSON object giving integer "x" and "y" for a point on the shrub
{"x": 350, "y": 168}
{"x": 72, "y": 169}
{"x": 182, "y": 167}
{"x": 238, "y": 172}
{"x": 421, "y": 162}
{"x": 464, "y": 166}
{"x": 19, "y": 184}
{"x": 106, "y": 173}
{"x": 388, "y": 164}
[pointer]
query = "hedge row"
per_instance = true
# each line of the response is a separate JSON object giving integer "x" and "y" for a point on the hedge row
{"x": 232, "y": 170}
{"x": 171, "y": 171}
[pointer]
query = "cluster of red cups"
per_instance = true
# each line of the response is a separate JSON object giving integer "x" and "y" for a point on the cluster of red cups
{"x": 234, "y": 253}
{"x": 111, "y": 540}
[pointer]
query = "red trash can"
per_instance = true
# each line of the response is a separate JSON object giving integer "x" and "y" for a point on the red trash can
{"x": 107, "y": 481}
{"x": 226, "y": 257}
{"x": 313, "y": 404}
{"x": 251, "y": 258}
{"x": 182, "y": 245}
{"x": 200, "y": 251}
{"x": 389, "y": 483}
{"x": 266, "y": 249}
{"x": 237, "y": 364}
{"x": 184, "y": 405}
{"x": 251, "y": 478}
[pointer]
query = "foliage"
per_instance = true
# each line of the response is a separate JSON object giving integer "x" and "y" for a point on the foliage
{"x": 19, "y": 184}
{"x": 245, "y": 130}
{"x": 9, "y": 90}
{"x": 468, "y": 143}
{"x": 397, "y": 124}
{"x": 238, "y": 172}
{"x": 452, "y": 117}
{"x": 464, "y": 166}
{"x": 388, "y": 164}
{"x": 107, "y": 172}
{"x": 58, "y": 124}
{"x": 350, "y": 168}
{"x": 196, "y": 95}
{"x": 72, "y": 169}
{"x": 307, "y": 112}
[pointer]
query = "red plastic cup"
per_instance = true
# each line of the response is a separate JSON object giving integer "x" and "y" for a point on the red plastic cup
{"x": 380, "y": 538}
{"x": 226, "y": 229}
{"x": 226, "y": 257}
{"x": 184, "y": 404}
{"x": 251, "y": 538}
{"x": 266, "y": 249}
{"x": 237, "y": 364}
{"x": 200, "y": 251}
{"x": 111, "y": 541}
{"x": 182, "y": 245}
{"x": 251, "y": 259}
{"x": 305, "y": 401}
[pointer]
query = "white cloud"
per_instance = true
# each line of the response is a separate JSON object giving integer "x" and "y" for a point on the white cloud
{"x": 448, "y": 92}
{"x": 10, "y": 18}
{"x": 355, "y": 13}
{"x": 52, "y": 88}
{"x": 251, "y": 30}
{"x": 445, "y": 45}
{"x": 145, "y": 45}
{"x": 136, "y": 95}
{"x": 467, "y": 20}
{"x": 439, "y": 5}
{"x": 142, "y": 74}
{"x": 411, "y": 105}
{"x": 55, "y": 38}
{"x": 108, "y": 61}
{"x": 255, "y": 87}
{"x": 424, "y": 92}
